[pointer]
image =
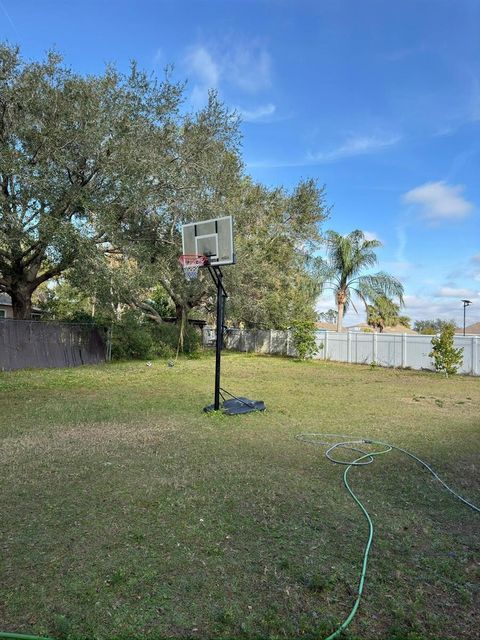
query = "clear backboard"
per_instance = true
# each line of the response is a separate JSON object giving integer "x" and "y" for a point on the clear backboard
{"x": 210, "y": 238}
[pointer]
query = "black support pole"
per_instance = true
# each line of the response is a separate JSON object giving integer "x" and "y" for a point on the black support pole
{"x": 217, "y": 276}
{"x": 234, "y": 405}
{"x": 219, "y": 342}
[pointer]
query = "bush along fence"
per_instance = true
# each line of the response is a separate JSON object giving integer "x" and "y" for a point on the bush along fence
{"x": 34, "y": 344}
{"x": 383, "y": 349}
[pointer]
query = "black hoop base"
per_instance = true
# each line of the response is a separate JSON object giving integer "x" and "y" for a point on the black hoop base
{"x": 235, "y": 406}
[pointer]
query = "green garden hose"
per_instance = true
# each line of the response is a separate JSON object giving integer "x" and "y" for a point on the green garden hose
{"x": 365, "y": 458}
{"x": 22, "y": 636}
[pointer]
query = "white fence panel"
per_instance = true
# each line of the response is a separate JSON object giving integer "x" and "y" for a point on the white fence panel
{"x": 363, "y": 347}
{"x": 418, "y": 348}
{"x": 470, "y": 354}
{"x": 389, "y": 350}
{"x": 384, "y": 349}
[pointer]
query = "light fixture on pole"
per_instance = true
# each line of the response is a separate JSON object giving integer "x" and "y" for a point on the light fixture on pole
{"x": 466, "y": 303}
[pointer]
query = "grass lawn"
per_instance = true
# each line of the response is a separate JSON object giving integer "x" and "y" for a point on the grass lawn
{"x": 128, "y": 513}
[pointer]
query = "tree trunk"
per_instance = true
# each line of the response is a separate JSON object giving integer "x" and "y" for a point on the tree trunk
{"x": 21, "y": 302}
{"x": 340, "y": 307}
{"x": 179, "y": 312}
{"x": 341, "y": 300}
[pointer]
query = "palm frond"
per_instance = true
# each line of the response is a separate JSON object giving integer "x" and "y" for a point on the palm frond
{"x": 380, "y": 284}
{"x": 351, "y": 253}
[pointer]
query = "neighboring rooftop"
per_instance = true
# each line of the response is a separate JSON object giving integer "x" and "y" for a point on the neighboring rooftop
{"x": 399, "y": 328}
{"x": 6, "y": 301}
{"x": 471, "y": 329}
{"x": 326, "y": 326}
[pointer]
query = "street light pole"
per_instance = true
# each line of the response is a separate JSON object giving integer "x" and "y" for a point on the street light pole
{"x": 466, "y": 303}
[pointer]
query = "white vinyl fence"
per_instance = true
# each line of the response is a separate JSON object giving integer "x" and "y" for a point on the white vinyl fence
{"x": 384, "y": 349}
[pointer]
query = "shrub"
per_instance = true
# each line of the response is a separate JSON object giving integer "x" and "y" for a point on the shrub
{"x": 303, "y": 333}
{"x": 444, "y": 354}
{"x": 135, "y": 338}
{"x": 166, "y": 338}
{"x": 131, "y": 339}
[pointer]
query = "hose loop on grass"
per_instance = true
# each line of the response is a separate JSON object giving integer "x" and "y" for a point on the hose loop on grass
{"x": 366, "y": 458}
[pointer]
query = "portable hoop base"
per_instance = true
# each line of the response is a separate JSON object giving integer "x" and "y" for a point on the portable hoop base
{"x": 237, "y": 406}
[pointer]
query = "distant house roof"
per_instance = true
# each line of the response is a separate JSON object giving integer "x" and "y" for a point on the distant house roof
{"x": 326, "y": 326}
{"x": 6, "y": 300}
{"x": 399, "y": 328}
{"x": 472, "y": 329}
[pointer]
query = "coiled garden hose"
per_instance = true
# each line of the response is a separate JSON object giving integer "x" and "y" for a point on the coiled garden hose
{"x": 365, "y": 458}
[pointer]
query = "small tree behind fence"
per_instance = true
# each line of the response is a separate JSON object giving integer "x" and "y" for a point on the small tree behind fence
{"x": 32, "y": 344}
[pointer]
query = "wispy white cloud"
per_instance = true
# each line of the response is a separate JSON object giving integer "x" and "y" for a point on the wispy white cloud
{"x": 202, "y": 64}
{"x": 249, "y": 66}
{"x": 356, "y": 146}
{"x": 205, "y": 71}
{"x": 261, "y": 112}
{"x": 353, "y": 146}
{"x": 245, "y": 65}
{"x": 372, "y": 235}
{"x": 453, "y": 292}
{"x": 439, "y": 201}
{"x": 158, "y": 57}
{"x": 465, "y": 269}
{"x": 426, "y": 307}
{"x": 418, "y": 306}
{"x": 406, "y": 52}
{"x": 7, "y": 15}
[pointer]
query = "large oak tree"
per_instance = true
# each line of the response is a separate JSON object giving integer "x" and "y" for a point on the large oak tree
{"x": 91, "y": 164}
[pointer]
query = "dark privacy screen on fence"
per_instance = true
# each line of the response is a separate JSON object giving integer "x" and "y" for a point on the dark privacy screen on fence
{"x": 33, "y": 344}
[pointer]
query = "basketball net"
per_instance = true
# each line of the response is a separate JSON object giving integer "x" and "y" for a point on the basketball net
{"x": 191, "y": 263}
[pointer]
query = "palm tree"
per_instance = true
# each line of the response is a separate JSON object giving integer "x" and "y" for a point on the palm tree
{"x": 383, "y": 312}
{"x": 347, "y": 257}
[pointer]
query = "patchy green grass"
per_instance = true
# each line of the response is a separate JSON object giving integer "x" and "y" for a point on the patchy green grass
{"x": 128, "y": 513}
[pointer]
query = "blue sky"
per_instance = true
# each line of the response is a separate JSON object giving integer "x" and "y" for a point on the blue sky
{"x": 378, "y": 100}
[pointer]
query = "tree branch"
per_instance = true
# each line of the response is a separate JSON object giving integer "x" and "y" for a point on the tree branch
{"x": 149, "y": 311}
{"x": 50, "y": 273}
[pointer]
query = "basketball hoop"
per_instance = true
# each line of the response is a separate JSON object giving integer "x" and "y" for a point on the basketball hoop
{"x": 191, "y": 263}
